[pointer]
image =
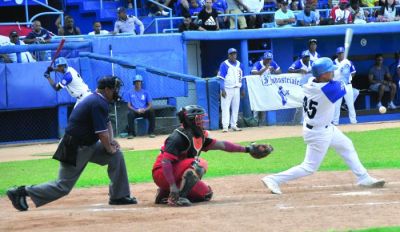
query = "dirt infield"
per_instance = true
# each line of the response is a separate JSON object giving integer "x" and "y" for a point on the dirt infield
{"x": 324, "y": 201}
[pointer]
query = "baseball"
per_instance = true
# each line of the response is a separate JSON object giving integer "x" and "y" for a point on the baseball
{"x": 382, "y": 109}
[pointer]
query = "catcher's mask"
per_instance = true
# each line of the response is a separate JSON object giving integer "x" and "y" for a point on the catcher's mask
{"x": 111, "y": 82}
{"x": 192, "y": 116}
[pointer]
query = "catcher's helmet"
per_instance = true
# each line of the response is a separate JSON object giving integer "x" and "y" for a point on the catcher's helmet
{"x": 191, "y": 116}
{"x": 322, "y": 65}
{"x": 60, "y": 61}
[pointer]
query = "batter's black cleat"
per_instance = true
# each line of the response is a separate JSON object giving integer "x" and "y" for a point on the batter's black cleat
{"x": 18, "y": 198}
{"x": 161, "y": 197}
{"x": 123, "y": 201}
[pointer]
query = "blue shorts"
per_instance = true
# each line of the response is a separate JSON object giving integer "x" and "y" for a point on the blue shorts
{"x": 375, "y": 87}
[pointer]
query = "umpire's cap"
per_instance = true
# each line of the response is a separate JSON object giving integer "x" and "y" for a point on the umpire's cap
{"x": 60, "y": 61}
{"x": 111, "y": 82}
{"x": 138, "y": 77}
{"x": 322, "y": 65}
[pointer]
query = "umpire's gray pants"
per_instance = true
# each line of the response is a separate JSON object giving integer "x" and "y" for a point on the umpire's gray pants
{"x": 68, "y": 175}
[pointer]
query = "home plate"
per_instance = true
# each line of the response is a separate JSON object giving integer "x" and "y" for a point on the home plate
{"x": 363, "y": 193}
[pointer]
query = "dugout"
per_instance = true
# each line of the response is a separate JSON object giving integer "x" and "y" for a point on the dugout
{"x": 174, "y": 67}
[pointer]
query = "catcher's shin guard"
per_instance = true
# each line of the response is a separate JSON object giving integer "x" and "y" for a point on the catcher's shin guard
{"x": 189, "y": 179}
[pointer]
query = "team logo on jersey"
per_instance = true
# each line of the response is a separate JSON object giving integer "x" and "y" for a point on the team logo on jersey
{"x": 64, "y": 82}
{"x": 283, "y": 94}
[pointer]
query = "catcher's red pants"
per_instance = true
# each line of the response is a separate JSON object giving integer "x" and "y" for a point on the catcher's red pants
{"x": 198, "y": 192}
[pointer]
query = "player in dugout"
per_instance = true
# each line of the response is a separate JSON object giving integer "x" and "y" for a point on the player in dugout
{"x": 178, "y": 169}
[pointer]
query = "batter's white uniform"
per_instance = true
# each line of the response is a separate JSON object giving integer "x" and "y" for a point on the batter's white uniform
{"x": 73, "y": 83}
{"x": 344, "y": 73}
{"x": 231, "y": 74}
{"x": 319, "y": 134}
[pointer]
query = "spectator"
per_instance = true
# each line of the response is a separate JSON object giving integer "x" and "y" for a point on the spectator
{"x": 234, "y": 8}
{"x": 140, "y": 105}
{"x": 87, "y": 139}
{"x": 195, "y": 7}
{"x": 306, "y": 17}
{"x": 6, "y": 58}
{"x": 357, "y": 13}
{"x": 340, "y": 14}
{"x": 222, "y": 8}
{"x": 266, "y": 65}
{"x": 38, "y": 34}
{"x": 302, "y": 65}
{"x": 230, "y": 74}
{"x": 97, "y": 29}
{"x": 381, "y": 81}
{"x": 317, "y": 15}
{"x": 284, "y": 17}
{"x": 255, "y": 6}
{"x": 69, "y": 27}
{"x": 188, "y": 25}
{"x": 369, "y": 3}
{"x": 22, "y": 57}
{"x": 208, "y": 17}
{"x": 345, "y": 73}
{"x": 388, "y": 12}
{"x": 294, "y": 5}
{"x": 127, "y": 24}
{"x": 312, "y": 49}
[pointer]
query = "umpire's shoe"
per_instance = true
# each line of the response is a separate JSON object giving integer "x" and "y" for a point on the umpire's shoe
{"x": 123, "y": 201}
{"x": 18, "y": 198}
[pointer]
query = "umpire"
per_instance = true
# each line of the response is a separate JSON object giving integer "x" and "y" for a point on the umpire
{"x": 87, "y": 124}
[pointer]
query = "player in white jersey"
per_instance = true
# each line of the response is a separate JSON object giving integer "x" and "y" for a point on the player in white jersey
{"x": 345, "y": 73}
{"x": 321, "y": 93}
{"x": 71, "y": 80}
{"x": 230, "y": 74}
{"x": 312, "y": 49}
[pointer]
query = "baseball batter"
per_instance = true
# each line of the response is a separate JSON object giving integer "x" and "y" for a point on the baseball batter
{"x": 178, "y": 169}
{"x": 321, "y": 93}
{"x": 230, "y": 74}
{"x": 71, "y": 80}
{"x": 345, "y": 73}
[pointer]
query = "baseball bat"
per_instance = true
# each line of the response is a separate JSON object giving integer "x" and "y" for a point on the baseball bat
{"x": 60, "y": 46}
{"x": 347, "y": 41}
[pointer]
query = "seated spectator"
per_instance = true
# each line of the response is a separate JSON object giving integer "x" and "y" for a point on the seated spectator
{"x": 316, "y": 12}
{"x": 340, "y": 14}
{"x": 357, "y": 13}
{"x": 381, "y": 81}
{"x": 21, "y": 57}
{"x": 306, "y": 17}
{"x": 284, "y": 17}
{"x": 222, "y": 8}
{"x": 266, "y": 65}
{"x": 97, "y": 29}
{"x": 294, "y": 5}
{"x": 302, "y": 65}
{"x": 6, "y": 58}
{"x": 195, "y": 7}
{"x": 188, "y": 25}
{"x": 234, "y": 7}
{"x": 312, "y": 49}
{"x": 38, "y": 34}
{"x": 255, "y": 6}
{"x": 140, "y": 105}
{"x": 388, "y": 12}
{"x": 127, "y": 24}
{"x": 208, "y": 17}
{"x": 69, "y": 27}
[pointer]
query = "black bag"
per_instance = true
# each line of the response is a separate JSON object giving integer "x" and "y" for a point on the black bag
{"x": 67, "y": 150}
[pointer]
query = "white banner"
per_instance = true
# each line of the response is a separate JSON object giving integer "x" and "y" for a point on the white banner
{"x": 276, "y": 92}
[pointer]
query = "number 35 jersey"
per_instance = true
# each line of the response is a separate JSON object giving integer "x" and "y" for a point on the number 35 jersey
{"x": 319, "y": 101}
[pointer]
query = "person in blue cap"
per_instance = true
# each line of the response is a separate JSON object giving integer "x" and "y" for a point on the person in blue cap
{"x": 267, "y": 64}
{"x": 320, "y": 95}
{"x": 231, "y": 77}
{"x": 302, "y": 65}
{"x": 140, "y": 104}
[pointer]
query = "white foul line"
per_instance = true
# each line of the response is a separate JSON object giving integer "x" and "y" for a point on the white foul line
{"x": 338, "y": 205}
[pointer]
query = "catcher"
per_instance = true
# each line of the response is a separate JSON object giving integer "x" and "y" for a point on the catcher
{"x": 178, "y": 169}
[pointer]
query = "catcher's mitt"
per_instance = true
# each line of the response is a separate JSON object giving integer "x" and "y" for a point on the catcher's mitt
{"x": 259, "y": 151}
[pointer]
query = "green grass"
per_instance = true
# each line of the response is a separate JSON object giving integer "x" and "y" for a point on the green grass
{"x": 377, "y": 149}
{"x": 382, "y": 229}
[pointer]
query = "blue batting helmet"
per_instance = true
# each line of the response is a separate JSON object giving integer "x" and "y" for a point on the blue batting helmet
{"x": 322, "y": 65}
{"x": 60, "y": 61}
{"x": 138, "y": 78}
